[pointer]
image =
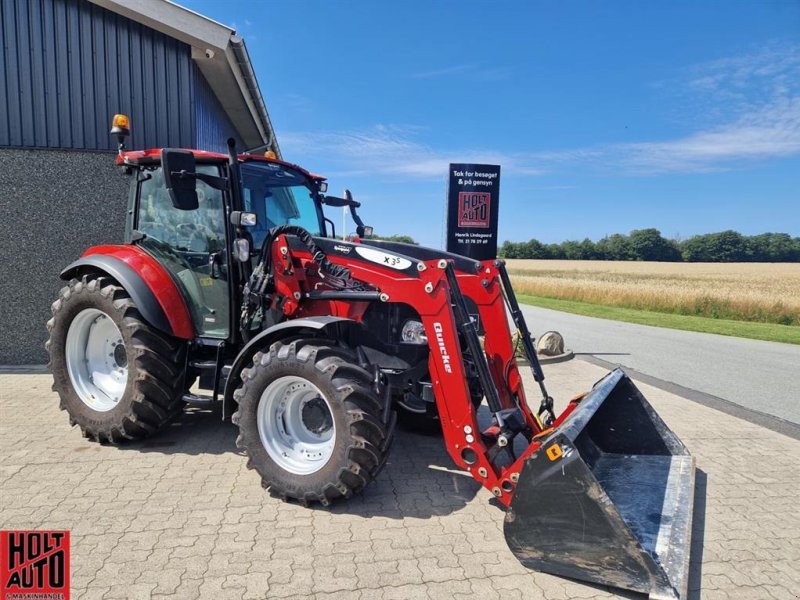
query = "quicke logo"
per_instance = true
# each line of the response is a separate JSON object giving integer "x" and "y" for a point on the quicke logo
{"x": 437, "y": 327}
{"x": 34, "y": 565}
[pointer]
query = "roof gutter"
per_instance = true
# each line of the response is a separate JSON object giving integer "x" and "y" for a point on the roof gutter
{"x": 243, "y": 61}
{"x": 221, "y": 56}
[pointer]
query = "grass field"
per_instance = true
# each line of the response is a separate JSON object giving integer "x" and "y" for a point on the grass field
{"x": 758, "y": 300}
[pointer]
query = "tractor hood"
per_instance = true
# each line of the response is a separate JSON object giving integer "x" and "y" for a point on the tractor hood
{"x": 393, "y": 255}
{"x": 461, "y": 263}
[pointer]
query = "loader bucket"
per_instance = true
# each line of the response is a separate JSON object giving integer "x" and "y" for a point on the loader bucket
{"x": 608, "y": 496}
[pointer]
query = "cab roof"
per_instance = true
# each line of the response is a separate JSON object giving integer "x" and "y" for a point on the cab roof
{"x": 153, "y": 156}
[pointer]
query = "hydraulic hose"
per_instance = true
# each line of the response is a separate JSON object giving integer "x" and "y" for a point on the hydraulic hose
{"x": 307, "y": 239}
{"x": 256, "y": 287}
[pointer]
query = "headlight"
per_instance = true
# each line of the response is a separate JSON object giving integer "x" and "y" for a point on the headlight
{"x": 413, "y": 333}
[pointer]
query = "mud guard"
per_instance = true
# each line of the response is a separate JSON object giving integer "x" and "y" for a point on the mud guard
{"x": 608, "y": 497}
{"x": 137, "y": 288}
{"x": 156, "y": 294}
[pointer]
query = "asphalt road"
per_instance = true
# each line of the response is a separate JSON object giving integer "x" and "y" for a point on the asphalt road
{"x": 762, "y": 376}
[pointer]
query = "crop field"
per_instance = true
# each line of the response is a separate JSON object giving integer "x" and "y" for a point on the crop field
{"x": 749, "y": 292}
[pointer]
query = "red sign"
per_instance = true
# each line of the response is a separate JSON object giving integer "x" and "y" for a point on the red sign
{"x": 34, "y": 564}
{"x": 473, "y": 209}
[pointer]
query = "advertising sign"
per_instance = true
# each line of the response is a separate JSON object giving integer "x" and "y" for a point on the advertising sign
{"x": 473, "y": 198}
{"x": 34, "y": 564}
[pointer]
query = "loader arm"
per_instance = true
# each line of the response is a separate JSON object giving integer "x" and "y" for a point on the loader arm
{"x": 433, "y": 287}
{"x": 602, "y": 492}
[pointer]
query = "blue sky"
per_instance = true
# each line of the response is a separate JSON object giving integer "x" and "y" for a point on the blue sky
{"x": 605, "y": 116}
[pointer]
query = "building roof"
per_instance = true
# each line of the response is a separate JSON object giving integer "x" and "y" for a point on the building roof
{"x": 221, "y": 56}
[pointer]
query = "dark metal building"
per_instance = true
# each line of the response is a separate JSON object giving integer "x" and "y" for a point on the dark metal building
{"x": 67, "y": 67}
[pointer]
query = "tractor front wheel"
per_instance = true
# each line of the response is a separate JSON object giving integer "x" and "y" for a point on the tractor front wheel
{"x": 117, "y": 377}
{"x": 310, "y": 422}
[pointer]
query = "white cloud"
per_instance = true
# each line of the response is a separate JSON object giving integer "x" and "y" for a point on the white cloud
{"x": 771, "y": 132}
{"x": 753, "y": 105}
{"x": 774, "y": 63}
{"x": 392, "y": 150}
{"x": 478, "y": 71}
{"x": 444, "y": 71}
{"x": 749, "y": 106}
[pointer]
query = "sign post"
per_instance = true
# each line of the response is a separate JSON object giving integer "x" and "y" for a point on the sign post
{"x": 473, "y": 198}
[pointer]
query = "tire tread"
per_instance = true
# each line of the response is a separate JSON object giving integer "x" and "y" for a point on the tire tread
{"x": 368, "y": 439}
{"x": 156, "y": 359}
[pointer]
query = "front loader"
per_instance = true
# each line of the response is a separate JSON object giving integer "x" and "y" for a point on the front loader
{"x": 233, "y": 288}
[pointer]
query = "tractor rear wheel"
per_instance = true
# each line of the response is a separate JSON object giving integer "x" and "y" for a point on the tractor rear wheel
{"x": 117, "y": 377}
{"x": 310, "y": 422}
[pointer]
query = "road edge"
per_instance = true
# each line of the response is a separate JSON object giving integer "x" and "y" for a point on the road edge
{"x": 746, "y": 330}
{"x": 765, "y": 420}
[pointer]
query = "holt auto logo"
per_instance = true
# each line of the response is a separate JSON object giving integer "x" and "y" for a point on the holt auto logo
{"x": 34, "y": 565}
{"x": 473, "y": 209}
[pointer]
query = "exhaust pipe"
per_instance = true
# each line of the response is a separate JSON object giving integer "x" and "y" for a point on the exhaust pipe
{"x": 608, "y": 497}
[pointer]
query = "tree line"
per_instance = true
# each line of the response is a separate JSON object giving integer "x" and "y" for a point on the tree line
{"x": 649, "y": 244}
{"x": 406, "y": 239}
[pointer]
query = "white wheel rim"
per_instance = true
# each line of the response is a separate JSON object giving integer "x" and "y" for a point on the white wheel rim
{"x": 97, "y": 362}
{"x": 295, "y": 424}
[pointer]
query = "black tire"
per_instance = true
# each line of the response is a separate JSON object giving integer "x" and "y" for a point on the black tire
{"x": 154, "y": 387}
{"x": 362, "y": 437}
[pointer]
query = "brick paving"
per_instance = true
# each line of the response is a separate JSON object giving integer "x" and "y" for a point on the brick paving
{"x": 179, "y": 515}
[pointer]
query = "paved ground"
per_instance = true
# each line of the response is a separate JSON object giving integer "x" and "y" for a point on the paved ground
{"x": 179, "y": 516}
{"x": 763, "y": 376}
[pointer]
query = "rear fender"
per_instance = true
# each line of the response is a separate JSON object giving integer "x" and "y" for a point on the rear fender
{"x": 156, "y": 295}
{"x": 334, "y": 327}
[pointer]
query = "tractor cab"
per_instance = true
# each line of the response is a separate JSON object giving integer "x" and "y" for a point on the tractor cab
{"x": 215, "y": 243}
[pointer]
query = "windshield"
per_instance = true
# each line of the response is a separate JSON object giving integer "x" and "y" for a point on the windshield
{"x": 278, "y": 196}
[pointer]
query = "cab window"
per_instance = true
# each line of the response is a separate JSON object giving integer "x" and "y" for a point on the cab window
{"x": 279, "y": 196}
{"x": 191, "y": 245}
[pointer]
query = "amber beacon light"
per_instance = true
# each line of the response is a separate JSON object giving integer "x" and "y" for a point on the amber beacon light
{"x": 121, "y": 127}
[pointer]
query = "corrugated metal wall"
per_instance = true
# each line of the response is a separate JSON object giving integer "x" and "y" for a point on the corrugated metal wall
{"x": 212, "y": 125}
{"x": 70, "y": 65}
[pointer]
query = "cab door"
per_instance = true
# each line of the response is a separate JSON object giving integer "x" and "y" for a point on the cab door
{"x": 191, "y": 245}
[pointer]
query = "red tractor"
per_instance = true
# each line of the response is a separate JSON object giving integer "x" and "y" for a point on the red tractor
{"x": 232, "y": 281}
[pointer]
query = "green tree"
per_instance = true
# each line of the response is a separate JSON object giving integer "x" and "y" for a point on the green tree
{"x": 773, "y": 247}
{"x": 728, "y": 246}
{"x": 648, "y": 244}
{"x": 575, "y": 250}
{"x": 615, "y": 247}
{"x": 509, "y": 250}
{"x": 406, "y": 239}
{"x": 555, "y": 251}
{"x": 534, "y": 249}
{"x": 724, "y": 246}
{"x": 696, "y": 249}
{"x": 571, "y": 250}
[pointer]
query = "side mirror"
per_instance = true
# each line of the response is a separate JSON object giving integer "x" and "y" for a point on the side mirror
{"x": 368, "y": 231}
{"x": 244, "y": 219}
{"x": 179, "y": 177}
